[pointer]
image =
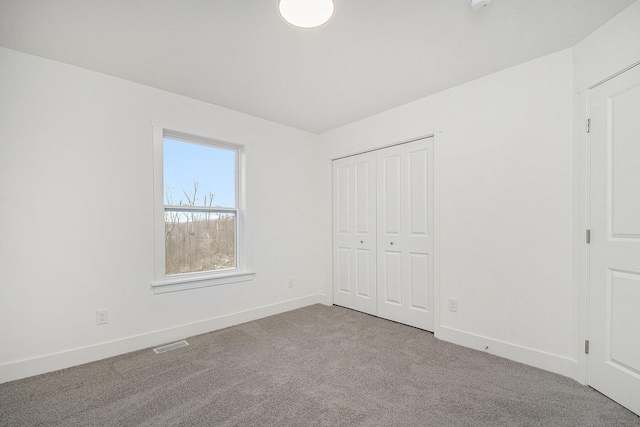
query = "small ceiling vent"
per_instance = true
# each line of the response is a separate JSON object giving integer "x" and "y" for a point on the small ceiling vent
{"x": 478, "y": 4}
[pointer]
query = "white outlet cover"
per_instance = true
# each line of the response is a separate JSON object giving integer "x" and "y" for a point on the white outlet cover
{"x": 102, "y": 317}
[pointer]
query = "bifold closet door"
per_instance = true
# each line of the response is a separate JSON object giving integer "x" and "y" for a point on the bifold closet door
{"x": 405, "y": 233}
{"x": 383, "y": 233}
{"x": 354, "y": 232}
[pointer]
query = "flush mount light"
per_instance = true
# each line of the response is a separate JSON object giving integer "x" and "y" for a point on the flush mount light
{"x": 306, "y": 13}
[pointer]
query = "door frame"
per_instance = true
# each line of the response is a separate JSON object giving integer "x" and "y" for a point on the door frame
{"x": 581, "y": 178}
{"x": 421, "y": 132}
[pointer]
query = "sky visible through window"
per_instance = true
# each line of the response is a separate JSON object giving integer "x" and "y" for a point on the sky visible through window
{"x": 211, "y": 167}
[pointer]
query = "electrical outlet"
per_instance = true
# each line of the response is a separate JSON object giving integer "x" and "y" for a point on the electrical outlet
{"x": 290, "y": 283}
{"x": 102, "y": 317}
{"x": 453, "y": 305}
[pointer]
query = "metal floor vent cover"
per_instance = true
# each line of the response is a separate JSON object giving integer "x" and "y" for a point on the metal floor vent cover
{"x": 170, "y": 347}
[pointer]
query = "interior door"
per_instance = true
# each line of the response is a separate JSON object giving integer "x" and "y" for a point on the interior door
{"x": 354, "y": 232}
{"x": 614, "y": 252}
{"x": 405, "y": 233}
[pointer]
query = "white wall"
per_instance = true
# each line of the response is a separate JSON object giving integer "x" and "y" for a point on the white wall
{"x": 617, "y": 39}
{"x": 76, "y": 159}
{"x": 505, "y": 208}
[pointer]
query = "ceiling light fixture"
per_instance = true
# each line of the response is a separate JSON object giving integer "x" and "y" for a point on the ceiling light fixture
{"x": 306, "y": 13}
{"x": 478, "y": 4}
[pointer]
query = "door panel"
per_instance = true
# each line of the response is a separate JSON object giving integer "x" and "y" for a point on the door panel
{"x": 624, "y": 149}
{"x": 391, "y": 193}
{"x": 341, "y": 186}
{"x": 390, "y": 229}
{"x": 419, "y": 275}
{"x": 392, "y": 271}
{"x": 614, "y": 253}
{"x": 344, "y": 270}
{"x": 354, "y": 233}
{"x": 622, "y": 290}
{"x": 364, "y": 179}
{"x": 420, "y": 241}
{"x": 404, "y": 230}
{"x": 418, "y": 193}
{"x": 364, "y": 267}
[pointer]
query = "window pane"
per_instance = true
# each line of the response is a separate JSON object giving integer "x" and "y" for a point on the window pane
{"x": 199, "y": 241}
{"x": 198, "y": 175}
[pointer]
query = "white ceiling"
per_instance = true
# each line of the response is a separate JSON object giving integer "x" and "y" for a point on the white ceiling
{"x": 372, "y": 56}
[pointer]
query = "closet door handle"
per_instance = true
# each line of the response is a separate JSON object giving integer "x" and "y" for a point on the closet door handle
{"x": 391, "y": 243}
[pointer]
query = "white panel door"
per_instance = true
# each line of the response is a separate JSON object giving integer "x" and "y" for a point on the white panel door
{"x": 405, "y": 233}
{"x": 354, "y": 232}
{"x": 614, "y": 260}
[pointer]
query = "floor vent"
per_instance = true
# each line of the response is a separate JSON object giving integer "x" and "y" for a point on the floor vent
{"x": 170, "y": 347}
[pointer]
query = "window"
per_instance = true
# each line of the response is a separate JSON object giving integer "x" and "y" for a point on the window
{"x": 199, "y": 212}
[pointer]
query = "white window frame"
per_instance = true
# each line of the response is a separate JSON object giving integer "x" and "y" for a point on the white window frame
{"x": 162, "y": 282}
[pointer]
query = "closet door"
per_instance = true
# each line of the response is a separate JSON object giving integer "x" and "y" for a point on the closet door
{"x": 405, "y": 233}
{"x": 354, "y": 232}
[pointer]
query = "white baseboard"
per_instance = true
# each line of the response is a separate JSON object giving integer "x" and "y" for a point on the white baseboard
{"x": 549, "y": 362}
{"x": 325, "y": 299}
{"x": 53, "y": 362}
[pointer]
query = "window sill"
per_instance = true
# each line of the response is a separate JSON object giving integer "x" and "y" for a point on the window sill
{"x": 186, "y": 282}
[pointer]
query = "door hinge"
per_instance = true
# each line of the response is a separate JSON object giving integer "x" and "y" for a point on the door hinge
{"x": 588, "y": 125}
{"x": 588, "y": 236}
{"x": 586, "y": 346}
